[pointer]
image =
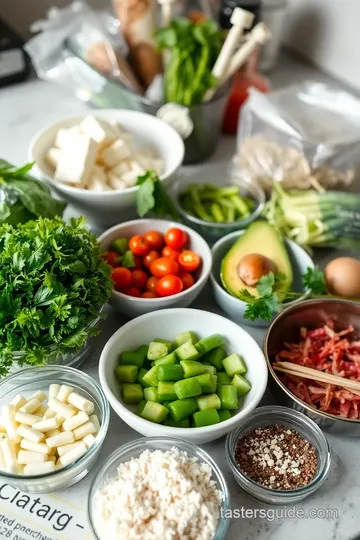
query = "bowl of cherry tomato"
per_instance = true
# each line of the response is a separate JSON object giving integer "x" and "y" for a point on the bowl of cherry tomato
{"x": 156, "y": 263}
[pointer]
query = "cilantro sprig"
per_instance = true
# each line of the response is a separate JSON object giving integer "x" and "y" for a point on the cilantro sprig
{"x": 153, "y": 197}
{"x": 53, "y": 286}
{"x": 267, "y": 303}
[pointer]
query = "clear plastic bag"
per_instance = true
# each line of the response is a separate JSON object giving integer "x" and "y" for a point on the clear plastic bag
{"x": 74, "y": 36}
{"x": 303, "y": 136}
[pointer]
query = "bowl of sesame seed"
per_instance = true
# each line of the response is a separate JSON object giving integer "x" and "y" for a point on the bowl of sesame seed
{"x": 278, "y": 455}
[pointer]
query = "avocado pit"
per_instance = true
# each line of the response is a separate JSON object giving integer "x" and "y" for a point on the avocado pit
{"x": 254, "y": 266}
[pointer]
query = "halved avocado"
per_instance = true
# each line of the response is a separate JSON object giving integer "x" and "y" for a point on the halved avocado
{"x": 260, "y": 237}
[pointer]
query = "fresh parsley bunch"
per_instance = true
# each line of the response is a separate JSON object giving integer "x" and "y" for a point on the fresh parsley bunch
{"x": 53, "y": 285}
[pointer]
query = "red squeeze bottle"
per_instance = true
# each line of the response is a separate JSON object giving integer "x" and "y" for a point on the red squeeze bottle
{"x": 243, "y": 80}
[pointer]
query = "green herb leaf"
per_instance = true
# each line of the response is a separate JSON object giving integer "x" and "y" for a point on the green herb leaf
{"x": 266, "y": 284}
{"x": 314, "y": 279}
{"x": 128, "y": 260}
{"x": 53, "y": 286}
{"x": 153, "y": 197}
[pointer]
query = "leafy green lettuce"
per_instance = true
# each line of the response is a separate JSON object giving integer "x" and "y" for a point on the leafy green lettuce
{"x": 23, "y": 198}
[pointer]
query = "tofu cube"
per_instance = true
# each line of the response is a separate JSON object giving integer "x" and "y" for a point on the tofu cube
{"x": 116, "y": 152}
{"x": 115, "y": 182}
{"x": 76, "y": 161}
{"x": 65, "y": 136}
{"x": 101, "y": 131}
{"x": 121, "y": 168}
{"x": 52, "y": 157}
{"x": 98, "y": 179}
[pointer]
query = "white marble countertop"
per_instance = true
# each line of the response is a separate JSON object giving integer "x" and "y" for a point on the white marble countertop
{"x": 30, "y": 106}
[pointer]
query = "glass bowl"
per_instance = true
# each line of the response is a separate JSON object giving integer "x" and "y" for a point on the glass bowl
{"x": 72, "y": 359}
{"x": 30, "y": 380}
{"x": 265, "y": 416}
{"x": 133, "y": 449}
{"x": 212, "y": 231}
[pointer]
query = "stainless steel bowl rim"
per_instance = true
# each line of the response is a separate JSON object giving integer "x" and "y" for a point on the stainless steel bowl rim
{"x": 312, "y": 410}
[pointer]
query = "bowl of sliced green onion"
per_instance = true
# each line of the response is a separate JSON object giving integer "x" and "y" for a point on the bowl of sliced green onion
{"x": 214, "y": 208}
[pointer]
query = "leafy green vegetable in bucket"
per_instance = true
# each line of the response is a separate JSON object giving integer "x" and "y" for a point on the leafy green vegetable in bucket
{"x": 53, "y": 286}
{"x": 152, "y": 197}
{"x": 23, "y": 198}
{"x": 193, "y": 49}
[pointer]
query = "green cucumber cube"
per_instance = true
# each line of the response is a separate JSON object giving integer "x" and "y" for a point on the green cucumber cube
{"x": 223, "y": 378}
{"x": 207, "y": 382}
{"x": 131, "y": 358}
{"x": 170, "y": 373}
{"x": 211, "y": 401}
{"x": 187, "y": 388}
{"x": 157, "y": 350}
{"x": 154, "y": 412}
{"x": 234, "y": 365}
{"x": 210, "y": 369}
{"x": 241, "y": 384}
{"x": 151, "y": 394}
{"x": 191, "y": 368}
{"x": 126, "y": 373}
{"x": 228, "y": 396}
{"x": 142, "y": 371}
{"x": 170, "y": 344}
{"x": 187, "y": 351}
{"x": 166, "y": 391}
{"x": 132, "y": 393}
{"x": 140, "y": 407}
{"x": 166, "y": 360}
{"x": 206, "y": 418}
{"x": 224, "y": 414}
{"x": 150, "y": 377}
{"x": 184, "y": 337}
{"x": 210, "y": 342}
{"x": 215, "y": 358}
{"x": 182, "y": 408}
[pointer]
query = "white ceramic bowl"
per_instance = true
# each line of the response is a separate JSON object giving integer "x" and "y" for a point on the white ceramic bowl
{"x": 234, "y": 307}
{"x": 166, "y": 324}
{"x": 109, "y": 207}
{"x": 131, "y": 306}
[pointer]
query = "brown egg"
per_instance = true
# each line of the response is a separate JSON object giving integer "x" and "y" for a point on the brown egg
{"x": 343, "y": 277}
{"x": 254, "y": 266}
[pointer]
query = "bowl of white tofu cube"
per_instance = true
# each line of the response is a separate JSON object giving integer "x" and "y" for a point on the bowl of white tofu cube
{"x": 93, "y": 161}
{"x": 53, "y": 423}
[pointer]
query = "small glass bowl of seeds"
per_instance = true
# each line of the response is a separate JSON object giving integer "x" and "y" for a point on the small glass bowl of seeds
{"x": 278, "y": 455}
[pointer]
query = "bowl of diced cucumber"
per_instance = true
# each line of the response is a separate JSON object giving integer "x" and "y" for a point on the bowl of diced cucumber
{"x": 183, "y": 373}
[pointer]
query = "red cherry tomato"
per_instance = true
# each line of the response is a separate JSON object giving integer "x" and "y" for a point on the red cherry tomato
{"x": 150, "y": 258}
{"x": 189, "y": 260}
{"x": 169, "y": 285}
{"x": 170, "y": 253}
{"x": 155, "y": 239}
{"x": 138, "y": 261}
{"x": 110, "y": 257}
{"x": 187, "y": 279}
{"x": 139, "y": 245}
{"x": 148, "y": 294}
{"x": 139, "y": 278}
{"x": 163, "y": 266}
{"x": 151, "y": 283}
{"x": 176, "y": 238}
{"x": 122, "y": 277}
{"x": 132, "y": 291}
